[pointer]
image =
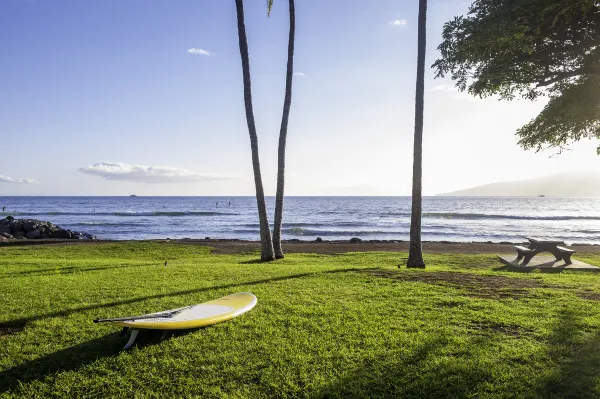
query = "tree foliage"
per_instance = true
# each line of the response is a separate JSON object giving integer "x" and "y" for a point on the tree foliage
{"x": 531, "y": 48}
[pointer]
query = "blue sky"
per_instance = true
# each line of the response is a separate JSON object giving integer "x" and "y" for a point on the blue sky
{"x": 114, "y": 84}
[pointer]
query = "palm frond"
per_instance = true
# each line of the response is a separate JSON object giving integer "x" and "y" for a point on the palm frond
{"x": 269, "y": 6}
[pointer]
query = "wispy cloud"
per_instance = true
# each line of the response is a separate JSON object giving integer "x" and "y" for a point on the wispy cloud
{"x": 398, "y": 22}
{"x": 199, "y": 51}
{"x": 299, "y": 74}
{"x": 6, "y": 179}
{"x": 147, "y": 174}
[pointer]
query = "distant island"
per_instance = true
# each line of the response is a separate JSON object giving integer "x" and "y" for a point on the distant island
{"x": 572, "y": 184}
{"x": 133, "y": 195}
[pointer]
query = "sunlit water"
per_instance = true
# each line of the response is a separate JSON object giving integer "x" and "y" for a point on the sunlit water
{"x": 464, "y": 219}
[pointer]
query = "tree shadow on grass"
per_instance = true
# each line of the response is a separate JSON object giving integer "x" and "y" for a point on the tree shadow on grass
{"x": 67, "y": 359}
{"x": 418, "y": 375}
{"x": 61, "y": 313}
{"x": 71, "y": 270}
{"x": 577, "y": 373}
{"x": 430, "y": 371}
{"x": 252, "y": 262}
{"x": 75, "y": 357}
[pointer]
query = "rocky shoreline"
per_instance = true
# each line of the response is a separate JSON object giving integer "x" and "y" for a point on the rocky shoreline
{"x": 31, "y": 229}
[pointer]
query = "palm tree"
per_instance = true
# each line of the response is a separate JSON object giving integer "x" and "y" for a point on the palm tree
{"x": 283, "y": 132}
{"x": 265, "y": 232}
{"x": 415, "y": 254}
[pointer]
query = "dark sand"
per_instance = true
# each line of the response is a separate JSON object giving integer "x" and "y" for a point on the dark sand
{"x": 232, "y": 247}
{"x": 326, "y": 247}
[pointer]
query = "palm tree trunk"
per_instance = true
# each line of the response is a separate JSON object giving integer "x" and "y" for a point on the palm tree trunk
{"x": 415, "y": 254}
{"x": 265, "y": 232}
{"x": 283, "y": 135}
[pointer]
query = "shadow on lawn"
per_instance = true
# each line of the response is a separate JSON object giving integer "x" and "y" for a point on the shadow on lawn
{"x": 70, "y": 270}
{"x": 424, "y": 373}
{"x": 521, "y": 269}
{"x": 578, "y": 359}
{"x": 24, "y": 320}
{"x": 75, "y": 357}
{"x": 67, "y": 359}
{"x": 430, "y": 371}
{"x": 252, "y": 262}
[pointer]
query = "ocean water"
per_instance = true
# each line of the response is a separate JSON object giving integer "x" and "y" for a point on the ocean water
{"x": 459, "y": 219}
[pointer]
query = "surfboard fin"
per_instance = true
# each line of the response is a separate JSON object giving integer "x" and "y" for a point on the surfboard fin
{"x": 132, "y": 338}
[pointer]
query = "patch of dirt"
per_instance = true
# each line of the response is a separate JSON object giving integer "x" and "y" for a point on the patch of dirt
{"x": 478, "y": 286}
{"x": 508, "y": 329}
{"x": 232, "y": 246}
{"x": 7, "y": 329}
{"x": 336, "y": 247}
{"x": 592, "y": 296}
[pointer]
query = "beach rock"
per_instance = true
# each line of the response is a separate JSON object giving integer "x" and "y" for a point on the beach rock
{"x": 16, "y": 228}
{"x": 355, "y": 240}
{"x": 29, "y": 226}
{"x": 33, "y": 234}
{"x": 34, "y": 229}
{"x": 61, "y": 234}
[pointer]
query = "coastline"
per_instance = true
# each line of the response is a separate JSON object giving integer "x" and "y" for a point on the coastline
{"x": 234, "y": 246}
{"x": 307, "y": 218}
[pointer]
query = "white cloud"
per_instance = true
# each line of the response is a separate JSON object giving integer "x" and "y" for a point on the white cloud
{"x": 199, "y": 51}
{"x": 147, "y": 174}
{"x": 6, "y": 179}
{"x": 299, "y": 74}
{"x": 398, "y": 22}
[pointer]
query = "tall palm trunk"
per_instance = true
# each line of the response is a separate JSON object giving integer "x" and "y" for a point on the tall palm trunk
{"x": 415, "y": 255}
{"x": 265, "y": 232}
{"x": 287, "y": 102}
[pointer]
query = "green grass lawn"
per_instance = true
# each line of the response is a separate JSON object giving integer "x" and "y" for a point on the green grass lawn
{"x": 346, "y": 325}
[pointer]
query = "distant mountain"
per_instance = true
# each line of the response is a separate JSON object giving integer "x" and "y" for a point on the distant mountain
{"x": 572, "y": 184}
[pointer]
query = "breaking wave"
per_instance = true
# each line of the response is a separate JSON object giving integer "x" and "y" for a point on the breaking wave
{"x": 127, "y": 214}
{"x": 469, "y": 216}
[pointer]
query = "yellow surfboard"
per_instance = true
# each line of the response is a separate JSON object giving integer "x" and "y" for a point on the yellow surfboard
{"x": 194, "y": 316}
